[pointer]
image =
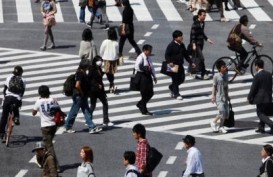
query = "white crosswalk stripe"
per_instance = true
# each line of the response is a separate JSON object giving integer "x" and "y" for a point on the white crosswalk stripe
{"x": 189, "y": 116}
{"x": 172, "y": 11}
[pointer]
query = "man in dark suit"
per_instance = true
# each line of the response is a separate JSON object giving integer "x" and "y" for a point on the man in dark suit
{"x": 261, "y": 95}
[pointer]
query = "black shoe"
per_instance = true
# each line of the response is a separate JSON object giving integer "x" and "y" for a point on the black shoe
{"x": 260, "y": 130}
{"x": 271, "y": 131}
{"x": 52, "y": 46}
{"x": 147, "y": 113}
{"x": 106, "y": 27}
{"x": 227, "y": 9}
{"x": 139, "y": 106}
{"x": 17, "y": 121}
{"x": 43, "y": 48}
{"x": 89, "y": 24}
{"x": 3, "y": 139}
{"x": 245, "y": 65}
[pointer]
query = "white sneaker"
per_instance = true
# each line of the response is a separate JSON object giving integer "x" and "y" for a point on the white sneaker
{"x": 224, "y": 19}
{"x": 95, "y": 130}
{"x": 109, "y": 124}
{"x": 222, "y": 130}
{"x": 179, "y": 97}
{"x": 214, "y": 126}
{"x": 206, "y": 77}
{"x": 69, "y": 131}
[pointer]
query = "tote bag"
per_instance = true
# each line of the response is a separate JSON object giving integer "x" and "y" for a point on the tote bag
{"x": 230, "y": 122}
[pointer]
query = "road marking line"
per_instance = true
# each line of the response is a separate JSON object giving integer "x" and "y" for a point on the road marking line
{"x": 140, "y": 42}
{"x": 179, "y": 146}
{"x": 148, "y": 34}
{"x": 140, "y": 10}
{"x": 24, "y": 11}
{"x": 252, "y": 26}
{"x": 270, "y": 1}
{"x": 155, "y": 26}
{"x": 171, "y": 160}
{"x": 22, "y": 173}
{"x": 232, "y": 15}
{"x": 162, "y": 174}
{"x": 113, "y": 11}
{"x": 169, "y": 10}
{"x": 255, "y": 10}
{"x": 59, "y": 14}
{"x": 1, "y": 12}
{"x": 132, "y": 50}
{"x": 33, "y": 159}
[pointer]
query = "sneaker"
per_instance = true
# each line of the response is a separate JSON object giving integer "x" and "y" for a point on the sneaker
{"x": 223, "y": 19}
{"x": 16, "y": 121}
{"x": 106, "y": 27}
{"x": 52, "y": 46}
{"x": 109, "y": 124}
{"x": 89, "y": 24}
{"x": 222, "y": 130}
{"x": 206, "y": 77}
{"x": 69, "y": 131}
{"x": 95, "y": 130}
{"x": 214, "y": 126}
{"x": 179, "y": 97}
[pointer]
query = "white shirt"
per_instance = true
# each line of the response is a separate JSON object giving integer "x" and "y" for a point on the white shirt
{"x": 131, "y": 174}
{"x": 108, "y": 50}
{"x": 194, "y": 162}
{"x": 8, "y": 93}
{"x": 143, "y": 59}
{"x": 43, "y": 106}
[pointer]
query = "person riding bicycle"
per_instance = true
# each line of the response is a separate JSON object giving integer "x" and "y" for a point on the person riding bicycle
{"x": 13, "y": 92}
{"x": 234, "y": 40}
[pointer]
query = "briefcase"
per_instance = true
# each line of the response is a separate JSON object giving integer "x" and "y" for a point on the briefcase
{"x": 230, "y": 122}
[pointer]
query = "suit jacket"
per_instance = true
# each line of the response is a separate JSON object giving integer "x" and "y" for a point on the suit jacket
{"x": 261, "y": 89}
{"x": 269, "y": 167}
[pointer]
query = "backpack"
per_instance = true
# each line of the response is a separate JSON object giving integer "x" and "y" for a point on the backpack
{"x": 58, "y": 115}
{"x": 133, "y": 171}
{"x": 16, "y": 85}
{"x": 69, "y": 85}
{"x": 153, "y": 159}
{"x": 234, "y": 39}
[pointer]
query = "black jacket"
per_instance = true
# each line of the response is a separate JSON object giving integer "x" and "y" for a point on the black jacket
{"x": 197, "y": 33}
{"x": 269, "y": 167}
{"x": 95, "y": 79}
{"x": 176, "y": 53}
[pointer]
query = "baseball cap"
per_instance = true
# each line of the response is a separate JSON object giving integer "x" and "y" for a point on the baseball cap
{"x": 188, "y": 139}
{"x": 39, "y": 145}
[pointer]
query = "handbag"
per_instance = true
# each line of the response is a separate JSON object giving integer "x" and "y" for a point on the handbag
{"x": 127, "y": 29}
{"x": 230, "y": 122}
{"x": 134, "y": 82}
{"x": 167, "y": 69}
{"x": 196, "y": 61}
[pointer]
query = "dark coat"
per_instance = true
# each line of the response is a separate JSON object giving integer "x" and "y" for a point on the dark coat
{"x": 261, "y": 89}
{"x": 269, "y": 167}
{"x": 95, "y": 79}
{"x": 197, "y": 33}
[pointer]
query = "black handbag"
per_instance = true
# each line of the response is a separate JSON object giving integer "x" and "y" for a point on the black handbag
{"x": 230, "y": 122}
{"x": 196, "y": 61}
{"x": 167, "y": 70}
{"x": 134, "y": 82}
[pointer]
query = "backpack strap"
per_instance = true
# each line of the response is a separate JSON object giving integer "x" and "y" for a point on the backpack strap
{"x": 132, "y": 171}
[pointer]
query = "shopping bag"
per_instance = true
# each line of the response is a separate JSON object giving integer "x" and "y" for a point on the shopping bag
{"x": 230, "y": 122}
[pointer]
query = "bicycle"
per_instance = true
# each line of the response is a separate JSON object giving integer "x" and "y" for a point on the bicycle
{"x": 232, "y": 63}
{"x": 10, "y": 124}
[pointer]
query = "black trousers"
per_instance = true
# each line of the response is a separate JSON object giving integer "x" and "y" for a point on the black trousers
{"x": 9, "y": 100}
{"x": 103, "y": 99}
{"x": 130, "y": 37}
{"x": 200, "y": 56}
{"x": 111, "y": 79}
{"x": 262, "y": 112}
{"x": 243, "y": 53}
{"x": 177, "y": 79}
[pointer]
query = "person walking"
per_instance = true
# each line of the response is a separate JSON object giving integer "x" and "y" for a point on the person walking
{"x": 220, "y": 97}
{"x": 88, "y": 49}
{"x": 127, "y": 28}
{"x": 174, "y": 55}
{"x": 86, "y": 168}
{"x": 129, "y": 158}
{"x": 97, "y": 90}
{"x": 197, "y": 39}
{"x": 261, "y": 94}
{"x": 145, "y": 76}
{"x": 79, "y": 98}
{"x": 108, "y": 52}
{"x": 194, "y": 159}
{"x": 219, "y": 4}
{"x": 45, "y": 160}
{"x": 48, "y": 126}
{"x": 142, "y": 149}
{"x": 14, "y": 89}
{"x": 267, "y": 161}
{"x": 102, "y": 6}
{"x": 48, "y": 10}
{"x": 242, "y": 32}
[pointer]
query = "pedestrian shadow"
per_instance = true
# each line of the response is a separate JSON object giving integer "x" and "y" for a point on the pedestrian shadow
{"x": 196, "y": 95}
{"x": 70, "y": 166}
{"x": 17, "y": 141}
{"x": 65, "y": 46}
{"x": 164, "y": 112}
{"x": 243, "y": 81}
{"x": 34, "y": 139}
{"x": 4, "y": 62}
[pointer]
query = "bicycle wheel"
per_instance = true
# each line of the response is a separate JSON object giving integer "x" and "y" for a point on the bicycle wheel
{"x": 268, "y": 64}
{"x": 9, "y": 129}
{"x": 231, "y": 66}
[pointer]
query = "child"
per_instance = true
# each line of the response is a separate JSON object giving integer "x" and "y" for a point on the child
{"x": 48, "y": 126}
{"x": 86, "y": 168}
{"x": 129, "y": 161}
{"x": 220, "y": 97}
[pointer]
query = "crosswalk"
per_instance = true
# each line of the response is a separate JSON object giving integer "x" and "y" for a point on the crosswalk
{"x": 189, "y": 116}
{"x": 26, "y": 11}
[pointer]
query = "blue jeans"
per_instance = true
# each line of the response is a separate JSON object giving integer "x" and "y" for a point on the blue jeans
{"x": 79, "y": 102}
{"x": 82, "y": 13}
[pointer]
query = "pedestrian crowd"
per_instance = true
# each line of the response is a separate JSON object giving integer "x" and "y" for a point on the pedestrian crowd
{"x": 88, "y": 86}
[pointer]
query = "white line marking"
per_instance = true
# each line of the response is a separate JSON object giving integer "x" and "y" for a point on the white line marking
{"x": 59, "y": 15}
{"x": 22, "y": 173}
{"x": 148, "y": 34}
{"x": 270, "y": 1}
{"x": 140, "y": 42}
{"x": 257, "y": 12}
{"x": 155, "y": 26}
{"x": 140, "y": 10}
{"x": 32, "y": 160}
{"x": 162, "y": 174}
{"x": 169, "y": 10}
{"x": 113, "y": 11}
{"x": 171, "y": 160}
{"x": 132, "y": 50}
{"x": 232, "y": 15}
{"x": 179, "y": 146}
{"x": 1, "y": 12}
{"x": 24, "y": 11}
{"x": 252, "y": 26}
